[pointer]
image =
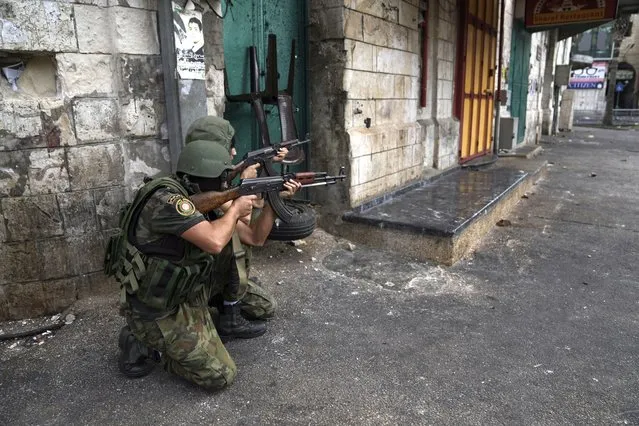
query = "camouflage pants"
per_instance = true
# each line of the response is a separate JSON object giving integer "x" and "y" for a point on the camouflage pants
{"x": 256, "y": 302}
{"x": 189, "y": 343}
{"x": 190, "y": 346}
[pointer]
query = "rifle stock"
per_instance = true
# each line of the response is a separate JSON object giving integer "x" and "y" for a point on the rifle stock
{"x": 208, "y": 201}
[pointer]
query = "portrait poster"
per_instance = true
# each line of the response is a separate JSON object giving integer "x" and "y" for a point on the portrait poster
{"x": 552, "y": 13}
{"x": 189, "y": 43}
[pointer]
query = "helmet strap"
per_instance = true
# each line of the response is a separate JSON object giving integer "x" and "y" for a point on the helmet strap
{"x": 191, "y": 187}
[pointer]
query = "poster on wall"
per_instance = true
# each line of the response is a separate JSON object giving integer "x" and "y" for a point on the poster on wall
{"x": 189, "y": 43}
{"x": 543, "y": 13}
{"x": 593, "y": 77}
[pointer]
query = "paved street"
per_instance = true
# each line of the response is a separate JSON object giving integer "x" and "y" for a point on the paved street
{"x": 538, "y": 326}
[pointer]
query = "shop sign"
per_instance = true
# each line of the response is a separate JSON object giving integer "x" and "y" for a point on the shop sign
{"x": 624, "y": 75}
{"x": 554, "y": 13}
{"x": 593, "y": 77}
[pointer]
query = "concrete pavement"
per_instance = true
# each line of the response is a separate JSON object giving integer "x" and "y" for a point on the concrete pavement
{"x": 538, "y": 326}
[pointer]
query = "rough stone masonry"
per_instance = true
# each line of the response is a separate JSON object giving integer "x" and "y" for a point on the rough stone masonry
{"x": 83, "y": 129}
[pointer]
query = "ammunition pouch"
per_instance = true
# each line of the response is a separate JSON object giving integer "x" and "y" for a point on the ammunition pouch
{"x": 159, "y": 283}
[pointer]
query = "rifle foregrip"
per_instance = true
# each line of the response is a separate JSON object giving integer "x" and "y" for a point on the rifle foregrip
{"x": 307, "y": 177}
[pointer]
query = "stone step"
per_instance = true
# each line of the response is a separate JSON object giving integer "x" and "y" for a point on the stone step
{"x": 443, "y": 219}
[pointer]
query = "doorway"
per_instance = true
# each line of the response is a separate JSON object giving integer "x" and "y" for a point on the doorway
{"x": 475, "y": 78}
{"x": 250, "y": 24}
{"x": 518, "y": 78}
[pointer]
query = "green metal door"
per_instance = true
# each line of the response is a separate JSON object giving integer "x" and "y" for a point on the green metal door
{"x": 249, "y": 24}
{"x": 519, "y": 70}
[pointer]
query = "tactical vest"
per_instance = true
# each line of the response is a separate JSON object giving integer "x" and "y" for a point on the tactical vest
{"x": 157, "y": 282}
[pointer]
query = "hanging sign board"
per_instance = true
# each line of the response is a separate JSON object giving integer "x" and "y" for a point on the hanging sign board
{"x": 593, "y": 77}
{"x": 625, "y": 74}
{"x": 189, "y": 43}
{"x": 555, "y": 13}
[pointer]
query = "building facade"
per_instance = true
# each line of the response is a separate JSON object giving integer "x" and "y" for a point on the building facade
{"x": 82, "y": 128}
{"x": 395, "y": 91}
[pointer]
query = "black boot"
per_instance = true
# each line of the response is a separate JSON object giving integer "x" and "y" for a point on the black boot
{"x": 233, "y": 324}
{"x": 136, "y": 359}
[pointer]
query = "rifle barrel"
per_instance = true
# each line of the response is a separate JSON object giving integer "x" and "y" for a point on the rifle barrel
{"x": 323, "y": 183}
{"x": 292, "y": 143}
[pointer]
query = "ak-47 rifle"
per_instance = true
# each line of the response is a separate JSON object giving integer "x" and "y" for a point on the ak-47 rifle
{"x": 207, "y": 201}
{"x": 261, "y": 155}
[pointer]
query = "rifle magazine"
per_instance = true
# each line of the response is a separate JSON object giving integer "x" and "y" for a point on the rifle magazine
{"x": 279, "y": 207}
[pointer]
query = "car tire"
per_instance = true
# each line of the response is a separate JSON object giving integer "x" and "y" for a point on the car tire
{"x": 301, "y": 225}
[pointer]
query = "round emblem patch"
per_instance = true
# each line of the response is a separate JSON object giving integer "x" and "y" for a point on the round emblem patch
{"x": 185, "y": 207}
{"x": 173, "y": 198}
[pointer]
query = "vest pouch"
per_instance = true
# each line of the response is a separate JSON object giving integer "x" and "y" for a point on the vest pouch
{"x": 197, "y": 276}
{"x": 163, "y": 284}
{"x": 122, "y": 215}
{"x": 112, "y": 255}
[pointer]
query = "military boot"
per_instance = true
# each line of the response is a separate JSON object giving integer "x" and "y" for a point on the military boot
{"x": 136, "y": 359}
{"x": 233, "y": 324}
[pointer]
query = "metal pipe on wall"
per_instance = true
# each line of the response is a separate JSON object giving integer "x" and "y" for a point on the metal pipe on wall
{"x": 423, "y": 86}
{"x": 502, "y": 7}
{"x": 169, "y": 71}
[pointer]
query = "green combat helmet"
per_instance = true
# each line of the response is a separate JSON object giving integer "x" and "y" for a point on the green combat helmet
{"x": 204, "y": 159}
{"x": 211, "y": 128}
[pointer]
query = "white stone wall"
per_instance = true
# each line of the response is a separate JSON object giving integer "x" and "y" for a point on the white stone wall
{"x": 566, "y": 97}
{"x": 538, "y": 51}
{"x": 446, "y": 49}
{"x": 589, "y": 100}
{"x": 213, "y": 28}
{"x": 566, "y": 113}
{"x": 506, "y": 47}
{"x": 446, "y": 149}
{"x": 79, "y": 135}
{"x": 381, "y": 82}
{"x": 629, "y": 52}
{"x": 563, "y": 51}
{"x": 629, "y": 48}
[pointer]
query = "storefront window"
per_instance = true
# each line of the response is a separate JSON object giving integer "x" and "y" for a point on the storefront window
{"x": 596, "y": 42}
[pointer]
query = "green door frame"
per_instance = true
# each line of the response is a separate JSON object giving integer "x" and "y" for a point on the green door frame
{"x": 519, "y": 73}
{"x": 249, "y": 24}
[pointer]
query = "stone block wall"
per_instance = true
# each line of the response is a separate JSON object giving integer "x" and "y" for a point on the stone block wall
{"x": 506, "y": 47}
{"x": 327, "y": 102}
{"x": 541, "y": 72}
{"x": 558, "y": 53}
{"x": 589, "y": 100}
{"x": 81, "y": 132}
{"x": 366, "y": 61}
{"x": 381, "y": 84}
{"x": 445, "y": 57}
{"x": 446, "y": 147}
{"x": 629, "y": 52}
{"x": 565, "y": 100}
{"x": 213, "y": 28}
{"x": 566, "y": 113}
{"x": 539, "y": 46}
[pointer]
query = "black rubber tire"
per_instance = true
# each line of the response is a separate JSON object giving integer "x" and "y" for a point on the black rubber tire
{"x": 301, "y": 225}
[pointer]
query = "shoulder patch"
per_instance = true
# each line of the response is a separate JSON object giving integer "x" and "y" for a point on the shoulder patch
{"x": 174, "y": 198}
{"x": 184, "y": 206}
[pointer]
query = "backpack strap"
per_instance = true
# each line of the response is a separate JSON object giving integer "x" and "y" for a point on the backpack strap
{"x": 143, "y": 195}
{"x": 239, "y": 255}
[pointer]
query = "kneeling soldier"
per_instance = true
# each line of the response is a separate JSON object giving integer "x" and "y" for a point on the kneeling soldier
{"x": 167, "y": 260}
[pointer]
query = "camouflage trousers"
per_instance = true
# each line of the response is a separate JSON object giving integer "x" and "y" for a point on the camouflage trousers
{"x": 190, "y": 345}
{"x": 256, "y": 302}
